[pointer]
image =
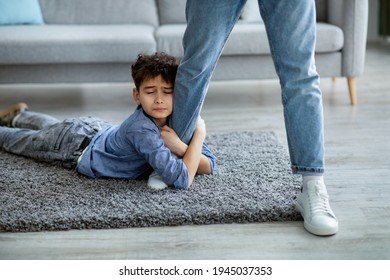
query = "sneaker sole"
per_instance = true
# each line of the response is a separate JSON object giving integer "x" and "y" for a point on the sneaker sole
{"x": 312, "y": 229}
{"x": 156, "y": 184}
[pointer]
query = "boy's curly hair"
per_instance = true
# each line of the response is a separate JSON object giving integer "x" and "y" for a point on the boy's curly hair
{"x": 150, "y": 66}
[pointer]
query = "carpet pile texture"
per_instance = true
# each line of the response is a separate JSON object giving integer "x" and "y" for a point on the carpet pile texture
{"x": 252, "y": 183}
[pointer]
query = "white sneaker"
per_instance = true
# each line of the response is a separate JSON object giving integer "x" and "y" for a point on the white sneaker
{"x": 155, "y": 181}
{"x": 313, "y": 204}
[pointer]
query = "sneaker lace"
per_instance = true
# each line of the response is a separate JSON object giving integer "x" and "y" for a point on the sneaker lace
{"x": 319, "y": 201}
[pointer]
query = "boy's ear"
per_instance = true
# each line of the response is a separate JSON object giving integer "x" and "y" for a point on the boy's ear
{"x": 136, "y": 96}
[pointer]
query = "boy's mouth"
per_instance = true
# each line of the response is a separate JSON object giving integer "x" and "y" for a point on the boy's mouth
{"x": 160, "y": 109}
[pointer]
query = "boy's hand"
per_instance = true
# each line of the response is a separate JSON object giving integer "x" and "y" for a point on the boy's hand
{"x": 172, "y": 141}
{"x": 201, "y": 127}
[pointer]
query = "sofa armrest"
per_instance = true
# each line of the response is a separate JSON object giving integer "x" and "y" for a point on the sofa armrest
{"x": 352, "y": 17}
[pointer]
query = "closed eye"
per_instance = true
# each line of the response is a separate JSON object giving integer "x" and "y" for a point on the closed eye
{"x": 168, "y": 90}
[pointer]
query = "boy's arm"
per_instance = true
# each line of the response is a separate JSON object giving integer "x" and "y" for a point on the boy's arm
{"x": 193, "y": 154}
{"x": 179, "y": 148}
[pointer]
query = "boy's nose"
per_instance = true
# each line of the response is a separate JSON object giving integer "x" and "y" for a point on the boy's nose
{"x": 159, "y": 99}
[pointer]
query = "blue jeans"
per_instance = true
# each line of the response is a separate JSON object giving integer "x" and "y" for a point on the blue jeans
{"x": 47, "y": 139}
{"x": 291, "y": 29}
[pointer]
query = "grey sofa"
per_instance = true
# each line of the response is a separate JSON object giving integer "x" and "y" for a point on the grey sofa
{"x": 97, "y": 40}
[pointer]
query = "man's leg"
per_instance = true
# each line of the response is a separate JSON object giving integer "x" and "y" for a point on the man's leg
{"x": 291, "y": 29}
{"x": 209, "y": 24}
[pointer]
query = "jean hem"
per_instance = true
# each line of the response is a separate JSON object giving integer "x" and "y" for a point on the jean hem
{"x": 307, "y": 170}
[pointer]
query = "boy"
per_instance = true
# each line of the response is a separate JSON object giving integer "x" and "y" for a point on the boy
{"x": 133, "y": 149}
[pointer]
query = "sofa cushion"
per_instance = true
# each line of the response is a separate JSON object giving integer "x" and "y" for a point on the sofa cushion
{"x": 74, "y": 43}
{"x": 20, "y": 12}
{"x": 246, "y": 39}
{"x": 99, "y": 11}
{"x": 330, "y": 38}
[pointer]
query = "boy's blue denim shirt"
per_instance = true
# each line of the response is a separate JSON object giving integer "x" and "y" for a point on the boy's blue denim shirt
{"x": 133, "y": 150}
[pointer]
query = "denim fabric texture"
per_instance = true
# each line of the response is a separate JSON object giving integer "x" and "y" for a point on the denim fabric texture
{"x": 47, "y": 139}
{"x": 291, "y": 31}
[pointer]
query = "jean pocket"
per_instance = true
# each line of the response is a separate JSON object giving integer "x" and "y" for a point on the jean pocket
{"x": 61, "y": 135}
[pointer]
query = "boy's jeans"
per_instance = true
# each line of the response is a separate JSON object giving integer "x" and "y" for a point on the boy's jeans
{"x": 291, "y": 30}
{"x": 45, "y": 138}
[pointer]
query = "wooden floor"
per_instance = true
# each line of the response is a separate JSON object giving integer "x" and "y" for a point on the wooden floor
{"x": 358, "y": 174}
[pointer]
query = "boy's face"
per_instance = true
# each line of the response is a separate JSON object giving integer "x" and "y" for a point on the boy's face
{"x": 156, "y": 98}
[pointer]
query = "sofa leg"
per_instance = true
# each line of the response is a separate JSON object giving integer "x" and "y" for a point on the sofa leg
{"x": 352, "y": 90}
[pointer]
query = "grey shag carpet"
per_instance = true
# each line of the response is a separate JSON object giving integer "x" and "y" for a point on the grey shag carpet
{"x": 253, "y": 183}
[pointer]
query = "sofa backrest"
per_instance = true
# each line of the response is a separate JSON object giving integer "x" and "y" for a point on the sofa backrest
{"x": 173, "y": 11}
{"x": 151, "y": 12}
{"x": 99, "y": 11}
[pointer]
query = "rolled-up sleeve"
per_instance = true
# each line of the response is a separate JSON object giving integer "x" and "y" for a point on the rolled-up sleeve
{"x": 212, "y": 159}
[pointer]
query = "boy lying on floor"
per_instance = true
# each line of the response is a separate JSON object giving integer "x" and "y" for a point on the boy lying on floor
{"x": 142, "y": 144}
